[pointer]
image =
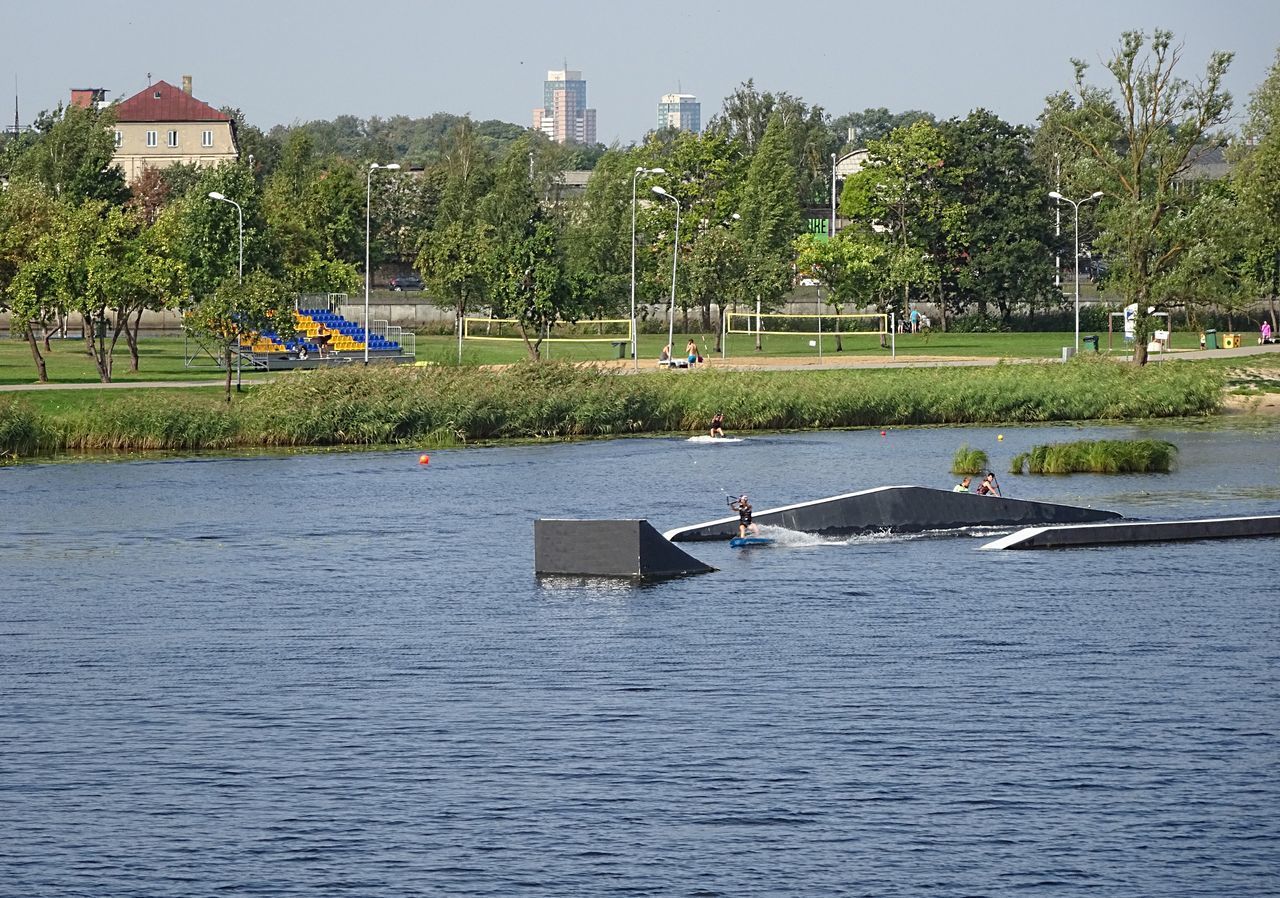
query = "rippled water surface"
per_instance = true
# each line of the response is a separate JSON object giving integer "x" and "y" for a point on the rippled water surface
{"x": 336, "y": 674}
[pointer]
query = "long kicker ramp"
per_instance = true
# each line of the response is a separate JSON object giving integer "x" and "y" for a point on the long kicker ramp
{"x": 1130, "y": 532}
{"x": 901, "y": 509}
{"x": 631, "y": 549}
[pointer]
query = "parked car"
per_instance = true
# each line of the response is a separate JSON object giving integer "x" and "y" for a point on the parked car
{"x": 406, "y": 282}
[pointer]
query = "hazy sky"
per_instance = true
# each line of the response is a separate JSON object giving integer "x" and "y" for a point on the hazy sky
{"x": 285, "y": 62}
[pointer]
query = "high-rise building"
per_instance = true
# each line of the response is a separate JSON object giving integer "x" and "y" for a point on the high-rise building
{"x": 681, "y": 111}
{"x": 564, "y": 116}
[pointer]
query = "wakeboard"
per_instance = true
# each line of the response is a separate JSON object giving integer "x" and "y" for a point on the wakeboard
{"x": 744, "y": 542}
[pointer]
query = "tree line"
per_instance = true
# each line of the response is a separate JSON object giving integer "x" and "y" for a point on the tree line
{"x": 955, "y": 214}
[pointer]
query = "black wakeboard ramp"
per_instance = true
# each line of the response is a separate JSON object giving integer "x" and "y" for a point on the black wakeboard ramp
{"x": 631, "y": 549}
{"x": 1131, "y": 532}
{"x": 903, "y": 509}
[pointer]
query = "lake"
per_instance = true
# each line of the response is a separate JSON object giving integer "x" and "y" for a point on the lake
{"x": 336, "y": 674}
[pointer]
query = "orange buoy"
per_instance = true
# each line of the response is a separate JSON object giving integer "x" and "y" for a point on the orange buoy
{"x": 424, "y": 459}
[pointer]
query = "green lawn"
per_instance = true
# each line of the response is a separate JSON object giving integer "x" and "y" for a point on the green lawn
{"x": 162, "y": 358}
{"x": 742, "y": 347}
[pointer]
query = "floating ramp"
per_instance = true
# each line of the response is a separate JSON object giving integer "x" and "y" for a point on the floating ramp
{"x": 902, "y": 509}
{"x": 630, "y": 549}
{"x": 1130, "y": 532}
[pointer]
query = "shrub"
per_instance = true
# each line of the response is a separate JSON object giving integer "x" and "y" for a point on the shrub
{"x": 1097, "y": 457}
{"x": 969, "y": 461}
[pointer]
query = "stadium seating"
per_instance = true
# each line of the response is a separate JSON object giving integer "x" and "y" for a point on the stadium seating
{"x": 343, "y": 336}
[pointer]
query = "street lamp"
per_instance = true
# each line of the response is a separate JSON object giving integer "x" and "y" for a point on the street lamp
{"x": 215, "y": 195}
{"x": 639, "y": 171}
{"x": 368, "y": 199}
{"x": 675, "y": 255}
{"x": 1075, "y": 204}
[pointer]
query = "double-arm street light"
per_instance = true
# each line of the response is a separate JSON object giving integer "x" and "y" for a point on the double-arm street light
{"x": 368, "y": 201}
{"x": 1075, "y": 204}
{"x": 675, "y": 255}
{"x": 639, "y": 171}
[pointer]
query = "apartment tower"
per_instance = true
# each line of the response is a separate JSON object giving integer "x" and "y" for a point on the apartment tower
{"x": 564, "y": 116}
{"x": 682, "y": 111}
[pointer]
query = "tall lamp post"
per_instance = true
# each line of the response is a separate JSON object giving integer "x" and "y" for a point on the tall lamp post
{"x": 635, "y": 355}
{"x": 1075, "y": 204}
{"x": 368, "y": 202}
{"x": 675, "y": 255}
{"x": 215, "y": 195}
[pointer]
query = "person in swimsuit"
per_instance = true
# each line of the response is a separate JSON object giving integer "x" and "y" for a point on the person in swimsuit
{"x": 743, "y": 508}
{"x": 989, "y": 487}
{"x": 717, "y": 425}
{"x": 691, "y": 353}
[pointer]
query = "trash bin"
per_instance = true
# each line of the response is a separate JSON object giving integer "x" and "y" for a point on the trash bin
{"x": 100, "y": 328}
{"x": 1091, "y": 342}
{"x": 621, "y": 347}
{"x": 1231, "y": 341}
{"x": 1210, "y": 339}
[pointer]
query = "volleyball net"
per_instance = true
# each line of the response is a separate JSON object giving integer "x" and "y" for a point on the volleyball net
{"x": 595, "y": 330}
{"x": 800, "y": 325}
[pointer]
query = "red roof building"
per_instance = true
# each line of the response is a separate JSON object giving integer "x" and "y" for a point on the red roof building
{"x": 162, "y": 102}
{"x": 164, "y": 125}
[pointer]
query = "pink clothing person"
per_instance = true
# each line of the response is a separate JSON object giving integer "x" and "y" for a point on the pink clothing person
{"x": 1266, "y": 332}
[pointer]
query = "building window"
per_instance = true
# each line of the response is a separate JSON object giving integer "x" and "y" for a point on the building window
{"x": 206, "y": 139}
{"x": 152, "y": 138}
{"x": 119, "y": 138}
{"x": 173, "y": 138}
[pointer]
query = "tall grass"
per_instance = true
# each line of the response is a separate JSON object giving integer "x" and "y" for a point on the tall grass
{"x": 448, "y": 405}
{"x": 1097, "y": 457}
{"x": 20, "y": 428}
{"x": 969, "y": 461}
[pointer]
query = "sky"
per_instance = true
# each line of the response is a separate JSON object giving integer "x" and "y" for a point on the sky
{"x": 286, "y": 62}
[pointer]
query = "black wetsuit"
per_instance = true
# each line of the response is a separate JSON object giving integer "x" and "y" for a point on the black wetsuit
{"x": 744, "y": 514}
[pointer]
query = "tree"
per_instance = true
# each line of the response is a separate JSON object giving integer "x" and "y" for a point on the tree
{"x": 907, "y": 196}
{"x": 1142, "y": 139}
{"x": 1256, "y": 184}
{"x": 454, "y": 255}
{"x": 28, "y": 220}
{"x": 238, "y": 310}
{"x": 717, "y": 272}
{"x": 209, "y": 237}
{"x": 528, "y": 272}
{"x": 1000, "y": 249}
{"x": 850, "y": 266}
{"x": 530, "y": 283}
{"x": 454, "y": 261}
{"x": 151, "y": 278}
{"x": 72, "y": 157}
{"x": 854, "y": 130}
{"x": 770, "y": 214}
{"x": 598, "y": 236}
